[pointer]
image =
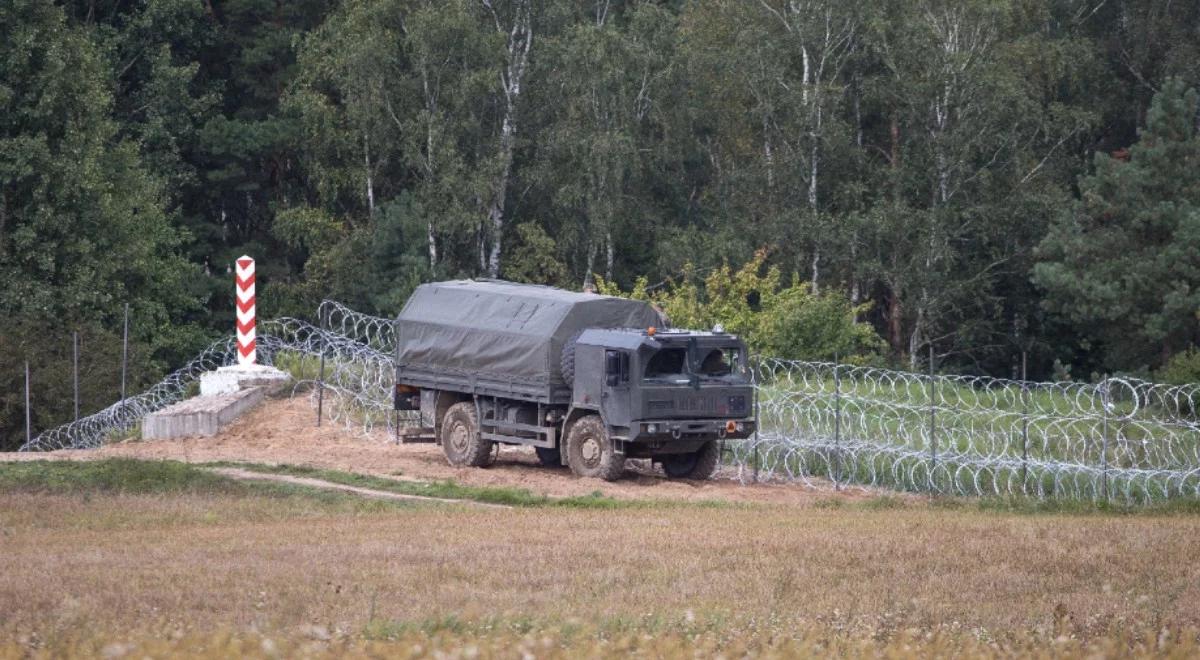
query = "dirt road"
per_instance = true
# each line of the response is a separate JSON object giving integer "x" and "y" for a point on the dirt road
{"x": 284, "y": 431}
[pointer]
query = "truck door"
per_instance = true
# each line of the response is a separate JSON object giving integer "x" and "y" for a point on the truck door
{"x": 616, "y": 387}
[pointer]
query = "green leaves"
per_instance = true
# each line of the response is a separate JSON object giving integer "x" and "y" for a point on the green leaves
{"x": 1122, "y": 263}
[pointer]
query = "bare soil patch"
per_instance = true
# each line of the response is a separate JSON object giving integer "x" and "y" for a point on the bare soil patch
{"x": 249, "y": 475}
{"x": 284, "y": 431}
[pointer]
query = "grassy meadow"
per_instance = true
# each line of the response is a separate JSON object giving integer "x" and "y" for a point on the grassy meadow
{"x": 159, "y": 558}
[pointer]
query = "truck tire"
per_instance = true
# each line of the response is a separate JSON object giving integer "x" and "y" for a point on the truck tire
{"x": 590, "y": 451}
{"x": 566, "y": 362}
{"x": 700, "y": 464}
{"x": 549, "y": 456}
{"x": 460, "y": 437}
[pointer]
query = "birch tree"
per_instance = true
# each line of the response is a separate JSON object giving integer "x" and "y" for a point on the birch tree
{"x": 605, "y": 74}
{"x": 514, "y": 20}
{"x": 966, "y": 127}
{"x": 820, "y": 33}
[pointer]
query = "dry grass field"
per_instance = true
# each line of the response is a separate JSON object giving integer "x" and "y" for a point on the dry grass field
{"x": 134, "y": 557}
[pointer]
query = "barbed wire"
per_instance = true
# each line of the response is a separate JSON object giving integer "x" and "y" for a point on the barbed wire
{"x": 357, "y": 381}
{"x": 114, "y": 421}
{"x": 819, "y": 422}
{"x": 373, "y": 331}
{"x": 1118, "y": 439}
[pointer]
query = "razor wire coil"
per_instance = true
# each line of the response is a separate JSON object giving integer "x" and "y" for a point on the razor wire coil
{"x": 1122, "y": 439}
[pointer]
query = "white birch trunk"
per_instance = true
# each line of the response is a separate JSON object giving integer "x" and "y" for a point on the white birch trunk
{"x": 433, "y": 255}
{"x": 520, "y": 38}
{"x": 370, "y": 178}
{"x": 609, "y": 255}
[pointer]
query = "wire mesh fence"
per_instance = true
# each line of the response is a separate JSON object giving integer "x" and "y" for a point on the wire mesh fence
{"x": 819, "y": 423}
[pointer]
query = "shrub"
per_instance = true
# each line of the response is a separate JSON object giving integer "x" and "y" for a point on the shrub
{"x": 1182, "y": 369}
{"x": 782, "y": 321}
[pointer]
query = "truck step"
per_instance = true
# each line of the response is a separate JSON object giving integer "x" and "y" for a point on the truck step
{"x": 417, "y": 434}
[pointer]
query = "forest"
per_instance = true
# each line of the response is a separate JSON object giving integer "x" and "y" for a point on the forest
{"x": 979, "y": 178}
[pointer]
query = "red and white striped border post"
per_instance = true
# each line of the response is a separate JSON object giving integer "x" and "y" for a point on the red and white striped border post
{"x": 245, "y": 310}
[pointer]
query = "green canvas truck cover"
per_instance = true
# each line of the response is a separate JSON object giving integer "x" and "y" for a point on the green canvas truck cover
{"x": 502, "y": 329}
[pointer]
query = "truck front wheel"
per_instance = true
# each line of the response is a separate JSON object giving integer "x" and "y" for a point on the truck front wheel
{"x": 590, "y": 451}
{"x": 460, "y": 437}
{"x": 700, "y": 464}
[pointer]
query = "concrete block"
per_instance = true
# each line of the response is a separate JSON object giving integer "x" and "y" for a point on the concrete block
{"x": 202, "y": 416}
{"x": 226, "y": 380}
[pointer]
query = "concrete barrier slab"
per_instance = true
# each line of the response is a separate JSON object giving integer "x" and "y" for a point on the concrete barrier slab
{"x": 202, "y": 416}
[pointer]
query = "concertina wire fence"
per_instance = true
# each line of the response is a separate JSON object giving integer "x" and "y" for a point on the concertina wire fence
{"x": 1122, "y": 440}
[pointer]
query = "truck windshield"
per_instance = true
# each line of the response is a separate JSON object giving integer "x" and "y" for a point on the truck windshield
{"x": 671, "y": 365}
{"x": 668, "y": 364}
{"x": 720, "y": 362}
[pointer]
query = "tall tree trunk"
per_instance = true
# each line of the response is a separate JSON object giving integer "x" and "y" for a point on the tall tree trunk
{"x": 916, "y": 338}
{"x": 588, "y": 280}
{"x": 608, "y": 257}
{"x": 370, "y": 178}
{"x": 816, "y": 270}
{"x": 520, "y": 38}
{"x": 895, "y": 321}
{"x": 858, "y": 125}
{"x": 855, "y": 293}
{"x": 768, "y": 153}
{"x": 495, "y": 215}
{"x": 433, "y": 255}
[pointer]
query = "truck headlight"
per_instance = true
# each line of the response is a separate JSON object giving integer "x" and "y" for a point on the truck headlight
{"x": 741, "y": 427}
{"x": 652, "y": 428}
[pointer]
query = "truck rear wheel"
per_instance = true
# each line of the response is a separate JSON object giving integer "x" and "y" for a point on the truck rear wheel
{"x": 700, "y": 464}
{"x": 460, "y": 437}
{"x": 590, "y": 452}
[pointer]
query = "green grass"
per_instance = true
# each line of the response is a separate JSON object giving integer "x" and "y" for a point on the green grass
{"x": 299, "y": 365}
{"x": 125, "y": 476}
{"x": 113, "y": 475}
{"x": 508, "y": 496}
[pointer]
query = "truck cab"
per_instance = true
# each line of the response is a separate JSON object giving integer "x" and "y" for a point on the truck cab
{"x": 667, "y": 395}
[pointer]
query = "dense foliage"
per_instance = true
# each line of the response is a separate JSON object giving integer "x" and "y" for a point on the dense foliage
{"x": 983, "y": 176}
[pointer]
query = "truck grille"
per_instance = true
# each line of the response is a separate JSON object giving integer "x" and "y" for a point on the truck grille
{"x": 713, "y": 404}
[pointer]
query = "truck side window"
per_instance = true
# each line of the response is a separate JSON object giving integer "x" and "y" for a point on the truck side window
{"x": 616, "y": 367}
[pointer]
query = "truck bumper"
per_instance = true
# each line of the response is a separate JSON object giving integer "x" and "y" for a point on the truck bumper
{"x": 677, "y": 436}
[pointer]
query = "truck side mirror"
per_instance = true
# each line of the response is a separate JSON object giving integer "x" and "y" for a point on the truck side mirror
{"x": 612, "y": 367}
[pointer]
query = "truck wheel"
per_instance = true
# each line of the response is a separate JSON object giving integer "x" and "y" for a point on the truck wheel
{"x": 460, "y": 437}
{"x": 549, "y": 456}
{"x": 590, "y": 451}
{"x": 566, "y": 361}
{"x": 700, "y": 464}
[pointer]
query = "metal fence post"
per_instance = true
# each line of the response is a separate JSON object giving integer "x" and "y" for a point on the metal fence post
{"x": 28, "y": 415}
{"x": 75, "y": 370}
{"x": 837, "y": 424}
{"x": 125, "y": 352}
{"x": 757, "y": 425}
{"x": 1025, "y": 395}
{"x": 1104, "y": 401}
{"x": 321, "y": 375}
{"x": 932, "y": 422}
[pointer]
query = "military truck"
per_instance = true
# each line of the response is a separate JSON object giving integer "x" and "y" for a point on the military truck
{"x": 586, "y": 380}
